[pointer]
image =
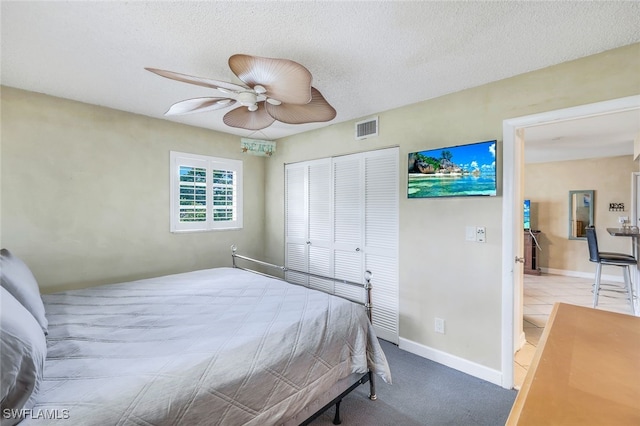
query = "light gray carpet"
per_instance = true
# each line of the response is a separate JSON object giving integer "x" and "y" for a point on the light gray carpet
{"x": 424, "y": 393}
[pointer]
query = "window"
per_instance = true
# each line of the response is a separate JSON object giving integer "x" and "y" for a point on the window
{"x": 206, "y": 193}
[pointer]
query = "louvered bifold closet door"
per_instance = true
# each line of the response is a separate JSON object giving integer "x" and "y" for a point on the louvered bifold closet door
{"x": 348, "y": 225}
{"x": 341, "y": 219}
{"x": 320, "y": 223}
{"x": 296, "y": 219}
{"x": 381, "y": 198}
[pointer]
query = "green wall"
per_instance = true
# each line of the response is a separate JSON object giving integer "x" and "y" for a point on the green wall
{"x": 441, "y": 274}
{"x": 85, "y": 193}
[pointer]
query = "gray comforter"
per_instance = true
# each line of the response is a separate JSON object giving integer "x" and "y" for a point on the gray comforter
{"x": 216, "y": 347}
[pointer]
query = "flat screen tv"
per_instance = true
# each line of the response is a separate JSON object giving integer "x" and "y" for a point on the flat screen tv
{"x": 527, "y": 214}
{"x": 455, "y": 171}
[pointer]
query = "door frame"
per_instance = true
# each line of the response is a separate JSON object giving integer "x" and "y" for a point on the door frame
{"x": 512, "y": 180}
{"x": 635, "y": 221}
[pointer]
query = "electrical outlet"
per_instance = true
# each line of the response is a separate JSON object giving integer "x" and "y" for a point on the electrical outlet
{"x": 439, "y": 325}
{"x": 481, "y": 234}
{"x": 623, "y": 219}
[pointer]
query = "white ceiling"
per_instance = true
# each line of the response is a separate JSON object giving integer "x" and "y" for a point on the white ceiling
{"x": 365, "y": 57}
{"x": 607, "y": 135}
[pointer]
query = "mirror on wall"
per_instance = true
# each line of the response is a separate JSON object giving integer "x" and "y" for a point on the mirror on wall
{"x": 580, "y": 213}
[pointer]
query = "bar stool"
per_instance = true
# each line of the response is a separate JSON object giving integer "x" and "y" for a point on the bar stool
{"x": 622, "y": 260}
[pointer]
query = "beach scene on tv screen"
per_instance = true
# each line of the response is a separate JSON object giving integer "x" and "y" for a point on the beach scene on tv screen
{"x": 463, "y": 170}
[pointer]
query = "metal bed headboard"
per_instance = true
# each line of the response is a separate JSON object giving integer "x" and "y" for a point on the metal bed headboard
{"x": 366, "y": 285}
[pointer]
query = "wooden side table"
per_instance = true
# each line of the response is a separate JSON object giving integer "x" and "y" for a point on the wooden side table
{"x": 586, "y": 371}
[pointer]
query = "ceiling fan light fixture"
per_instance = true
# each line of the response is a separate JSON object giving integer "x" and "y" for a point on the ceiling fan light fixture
{"x": 272, "y": 90}
{"x": 247, "y": 98}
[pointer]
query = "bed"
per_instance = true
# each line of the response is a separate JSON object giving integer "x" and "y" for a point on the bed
{"x": 222, "y": 346}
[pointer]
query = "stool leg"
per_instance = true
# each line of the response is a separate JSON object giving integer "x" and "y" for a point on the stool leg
{"x": 596, "y": 286}
{"x": 627, "y": 283}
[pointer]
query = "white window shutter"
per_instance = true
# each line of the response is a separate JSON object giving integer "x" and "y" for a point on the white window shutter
{"x": 206, "y": 193}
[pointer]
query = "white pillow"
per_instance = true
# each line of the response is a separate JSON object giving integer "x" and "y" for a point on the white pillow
{"x": 20, "y": 282}
{"x": 23, "y": 349}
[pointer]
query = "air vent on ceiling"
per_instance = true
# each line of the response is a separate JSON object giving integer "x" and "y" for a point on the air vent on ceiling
{"x": 367, "y": 128}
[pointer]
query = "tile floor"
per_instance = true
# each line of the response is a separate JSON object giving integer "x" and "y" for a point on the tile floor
{"x": 540, "y": 293}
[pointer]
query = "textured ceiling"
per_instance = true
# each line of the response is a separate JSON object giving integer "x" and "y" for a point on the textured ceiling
{"x": 365, "y": 57}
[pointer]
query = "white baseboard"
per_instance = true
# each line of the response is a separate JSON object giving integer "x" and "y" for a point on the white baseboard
{"x": 578, "y": 274}
{"x": 480, "y": 371}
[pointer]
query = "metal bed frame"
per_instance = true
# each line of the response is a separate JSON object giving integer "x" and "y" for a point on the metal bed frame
{"x": 367, "y": 377}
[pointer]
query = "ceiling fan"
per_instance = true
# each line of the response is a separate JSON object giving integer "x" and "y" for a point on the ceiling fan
{"x": 274, "y": 89}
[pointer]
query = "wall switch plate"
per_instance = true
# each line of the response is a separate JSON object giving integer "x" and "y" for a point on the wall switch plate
{"x": 439, "y": 325}
{"x": 470, "y": 233}
{"x": 481, "y": 234}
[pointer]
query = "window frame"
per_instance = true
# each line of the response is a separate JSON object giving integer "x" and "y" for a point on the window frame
{"x": 182, "y": 159}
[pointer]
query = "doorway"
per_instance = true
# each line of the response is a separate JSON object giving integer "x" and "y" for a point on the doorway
{"x": 512, "y": 235}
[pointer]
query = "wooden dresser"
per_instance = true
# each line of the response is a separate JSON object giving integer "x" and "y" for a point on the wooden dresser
{"x": 586, "y": 371}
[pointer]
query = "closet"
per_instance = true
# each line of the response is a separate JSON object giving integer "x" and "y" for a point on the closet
{"x": 341, "y": 218}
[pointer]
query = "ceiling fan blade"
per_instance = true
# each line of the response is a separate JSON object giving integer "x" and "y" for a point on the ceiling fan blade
{"x": 316, "y": 110}
{"x": 283, "y": 79}
{"x": 199, "y": 105}
{"x": 250, "y": 120}
{"x": 200, "y": 81}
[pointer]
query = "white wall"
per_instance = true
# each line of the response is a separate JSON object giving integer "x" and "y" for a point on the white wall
{"x": 85, "y": 193}
{"x": 442, "y": 275}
